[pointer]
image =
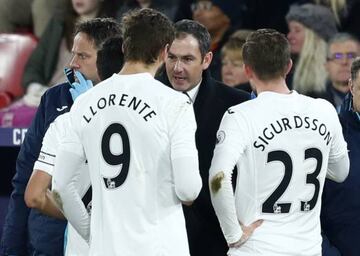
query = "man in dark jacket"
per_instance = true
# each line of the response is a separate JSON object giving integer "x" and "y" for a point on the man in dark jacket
{"x": 26, "y": 231}
{"x": 340, "y": 217}
{"x": 187, "y": 71}
{"x": 342, "y": 49}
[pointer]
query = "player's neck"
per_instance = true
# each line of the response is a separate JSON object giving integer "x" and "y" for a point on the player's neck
{"x": 276, "y": 85}
{"x": 138, "y": 67}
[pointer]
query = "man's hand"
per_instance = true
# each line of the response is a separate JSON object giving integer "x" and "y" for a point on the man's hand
{"x": 77, "y": 87}
{"x": 247, "y": 232}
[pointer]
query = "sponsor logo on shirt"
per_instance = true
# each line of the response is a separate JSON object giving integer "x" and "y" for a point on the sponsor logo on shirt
{"x": 220, "y": 137}
{"x": 62, "y": 108}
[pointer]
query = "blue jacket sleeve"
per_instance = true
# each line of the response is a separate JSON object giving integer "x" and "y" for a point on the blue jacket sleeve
{"x": 14, "y": 237}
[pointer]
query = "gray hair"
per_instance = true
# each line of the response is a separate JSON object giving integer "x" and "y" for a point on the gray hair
{"x": 340, "y": 38}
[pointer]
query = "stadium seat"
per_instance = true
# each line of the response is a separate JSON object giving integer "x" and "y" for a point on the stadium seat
{"x": 15, "y": 49}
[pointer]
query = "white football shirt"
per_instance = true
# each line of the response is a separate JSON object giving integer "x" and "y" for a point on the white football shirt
{"x": 281, "y": 145}
{"x": 133, "y": 129}
{"x": 75, "y": 244}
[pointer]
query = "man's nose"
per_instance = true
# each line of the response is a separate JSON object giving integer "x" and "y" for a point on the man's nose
{"x": 178, "y": 66}
{"x": 73, "y": 63}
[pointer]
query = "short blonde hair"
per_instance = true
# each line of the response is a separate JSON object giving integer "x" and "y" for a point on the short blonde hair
{"x": 235, "y": 43}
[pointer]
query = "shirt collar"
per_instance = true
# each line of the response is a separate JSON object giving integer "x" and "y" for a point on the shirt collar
{"x": 194, "y": 92}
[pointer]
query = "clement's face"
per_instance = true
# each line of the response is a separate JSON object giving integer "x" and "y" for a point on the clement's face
{"x": 84, "y": 55}
{"x": 184, "y": 64}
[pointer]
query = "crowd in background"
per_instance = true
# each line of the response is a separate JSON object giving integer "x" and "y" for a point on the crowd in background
{"x": 324, "y": 37}
{"x": 309, "y": 25}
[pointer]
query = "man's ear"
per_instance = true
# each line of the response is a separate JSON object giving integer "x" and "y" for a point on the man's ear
{"x": 164, "y": 53}
{"x": 289, "y": 66}
{"x": 248, "y": 71}
{"x": 351, "y": 86}
{"x": 167, "y": 47}
{"x": 207, "y": 60}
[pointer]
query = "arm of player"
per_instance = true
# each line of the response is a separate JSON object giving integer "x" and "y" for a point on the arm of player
{"x": 339, "y": 170}
{"x": 66, "y": 195}
{"x": 37, "y": 196}
{"x": 184, "y": 155}
{"x": 223, "y": 200}
{"x": 187, "y": 179}
{"x": 69, "y": 158}
{"x": 229, "y": 149}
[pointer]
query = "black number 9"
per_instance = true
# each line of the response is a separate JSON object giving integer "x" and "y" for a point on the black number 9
{"x": 110, "y": 158}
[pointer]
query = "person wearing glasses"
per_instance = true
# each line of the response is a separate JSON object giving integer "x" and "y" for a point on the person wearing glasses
{"x": 342, "y": 49}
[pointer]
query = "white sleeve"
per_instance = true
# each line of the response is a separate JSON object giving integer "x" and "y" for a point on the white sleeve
{"x": 338, "y": 167}
{"x": 68, "y": 161}
{"x": 228, "y": 151}
{"x": 184, "y": 155}
{"x": 339, "y": 170}
{"x": 50, "y": 144}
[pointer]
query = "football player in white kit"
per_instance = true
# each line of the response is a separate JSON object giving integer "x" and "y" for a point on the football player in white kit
{"x": 138, "y": 137}
{"x": 75, "y": 244}
{"x": 284, "y": 145}
{"x": 89, "y": 36}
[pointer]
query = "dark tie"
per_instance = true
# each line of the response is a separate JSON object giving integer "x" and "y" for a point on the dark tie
{"x": 188, "y": 96}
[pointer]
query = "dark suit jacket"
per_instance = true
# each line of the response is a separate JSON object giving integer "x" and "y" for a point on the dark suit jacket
{"x": 213, "y": 99}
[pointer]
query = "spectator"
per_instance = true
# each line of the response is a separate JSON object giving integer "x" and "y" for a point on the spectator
{"x": 45, "y": 65}
{"x": 345, "y": 12}
{"x": 19, "y": 14}
{"x": 221, "y": 18}
{"x": 341, "y": 51}
{"x": 232, "y": 71}
{"x": 339, "y": 8}
{"x": 340, "y": 216}
{"x": 310, "y": 27}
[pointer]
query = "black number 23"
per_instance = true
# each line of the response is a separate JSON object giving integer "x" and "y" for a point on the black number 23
{"x": 121, "y": 159}
{"x": 271, "y": 205}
